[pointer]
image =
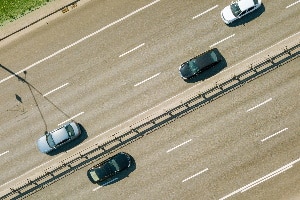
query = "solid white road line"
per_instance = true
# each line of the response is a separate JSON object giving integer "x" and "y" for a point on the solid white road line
{"x": 258, "y": 181}
{"x": 147, "y": 79}
{"x": 274, "y": 134}
{"x": 55, "y": 89}
{"x": 135, "y": 48}
{"x": 104, "y": 184}
{"x": 179, "y": 145}
{"x": 80, "y": 40}
{"x": 195, "y": 175}
{"x": 70, "y": 118}
{"x": 4, "y": 153}
{"x": 259, "y": 105}
{"x": 221, "y": 41}
{"x": 205, "y": 12}
{"x": 293, "y": 4}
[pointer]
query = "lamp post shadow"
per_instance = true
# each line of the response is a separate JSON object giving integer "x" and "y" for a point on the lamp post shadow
{"x": 31, "y": 88}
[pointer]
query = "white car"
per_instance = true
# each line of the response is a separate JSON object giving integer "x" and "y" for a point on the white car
{"x": 239, "y": 9}
{"x": 54, "y": 139}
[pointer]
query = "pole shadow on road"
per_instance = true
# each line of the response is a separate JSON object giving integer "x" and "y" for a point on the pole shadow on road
{"x": 31, "y": 88}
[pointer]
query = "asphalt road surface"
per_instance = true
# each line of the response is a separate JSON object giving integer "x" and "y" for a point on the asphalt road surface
{"x": 244, "y": 145}
{"x": 108, "y": 61}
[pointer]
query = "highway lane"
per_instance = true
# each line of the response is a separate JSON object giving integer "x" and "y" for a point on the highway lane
{"x": 219, "y": 151}
{"x": 105, "y": 81}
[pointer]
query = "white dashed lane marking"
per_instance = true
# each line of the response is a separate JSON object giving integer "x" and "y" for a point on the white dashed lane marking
{"x": 210, "y": 9}
{"x": 259, "y": 105}
{"x": 135, "y": 48}
{"x": 4, "y": 153}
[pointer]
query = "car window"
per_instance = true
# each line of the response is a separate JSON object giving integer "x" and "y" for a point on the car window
{"x": 255, "y": 2}
{"x": 50, "y": 140}
{"x": 193, "y": 65}
{"x": 235, "y": 9}
{"x": 242, "y": 13}
{"x": 250, "y": 9}
{"x": 114, "y": 164}
{"x": 213, "y": 55}
{"x": 70, "y": 130}
{"x": 63, "y": 141}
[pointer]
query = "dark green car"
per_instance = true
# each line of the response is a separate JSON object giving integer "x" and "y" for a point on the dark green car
{"x": 196, "y": 65}
{"x": 109, "y": 167}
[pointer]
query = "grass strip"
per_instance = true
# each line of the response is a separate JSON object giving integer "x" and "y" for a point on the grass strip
{"x": 11, "y": 10}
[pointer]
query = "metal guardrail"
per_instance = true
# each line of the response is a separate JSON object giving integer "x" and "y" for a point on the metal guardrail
{"x": 151, "y": 123}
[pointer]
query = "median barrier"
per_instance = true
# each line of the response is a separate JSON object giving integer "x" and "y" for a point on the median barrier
{"x": 163, "y": 115}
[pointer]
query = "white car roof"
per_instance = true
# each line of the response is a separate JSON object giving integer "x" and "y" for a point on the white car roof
{"x": 245, "y": 4}
{"x": 60, "y": 135}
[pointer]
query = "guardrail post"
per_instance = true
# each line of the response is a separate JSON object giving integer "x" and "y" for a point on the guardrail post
{"x": 47, "y": 173}
{"x": 169, "y": 113}
{"x": 86, "y": 157}
{"x": 100, "y": 146}
{"x": 32, "y": 182}
{"x": 218, "y": 86}
{"x": 287, "y": 50}
{"x": 270, "y": 59}
{"x": 134, "y": 130}
{"x": 15, "y": 191}
{"x": 252, "y": 68}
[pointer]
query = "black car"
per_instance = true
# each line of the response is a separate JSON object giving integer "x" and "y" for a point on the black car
{"x": 199, "y": 63}
{"x": 109, "y": 167}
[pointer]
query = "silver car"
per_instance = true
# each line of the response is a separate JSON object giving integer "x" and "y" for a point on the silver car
{"x": 54, "y": 139}
{"x": 239, "y": 9}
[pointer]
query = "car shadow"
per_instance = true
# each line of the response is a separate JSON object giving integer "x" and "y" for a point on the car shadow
{"x": 247, "y": 18}
{"x": 120, "y": 176}
{"x": 70, "y": 144}
{"x": 209, "y": 72}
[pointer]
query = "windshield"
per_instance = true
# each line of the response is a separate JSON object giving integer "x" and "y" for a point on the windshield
{"x": 193, "y": 65}
{"x": 70, "y": 130}
{"x": 235, "y": 9}
{"x": 50, "y": 140}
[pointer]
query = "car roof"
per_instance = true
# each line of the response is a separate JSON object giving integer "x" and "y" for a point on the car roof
{"x": 59, "y": 135}
{"x": 245, "y": 4}
{"x": 204, "y": 58}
